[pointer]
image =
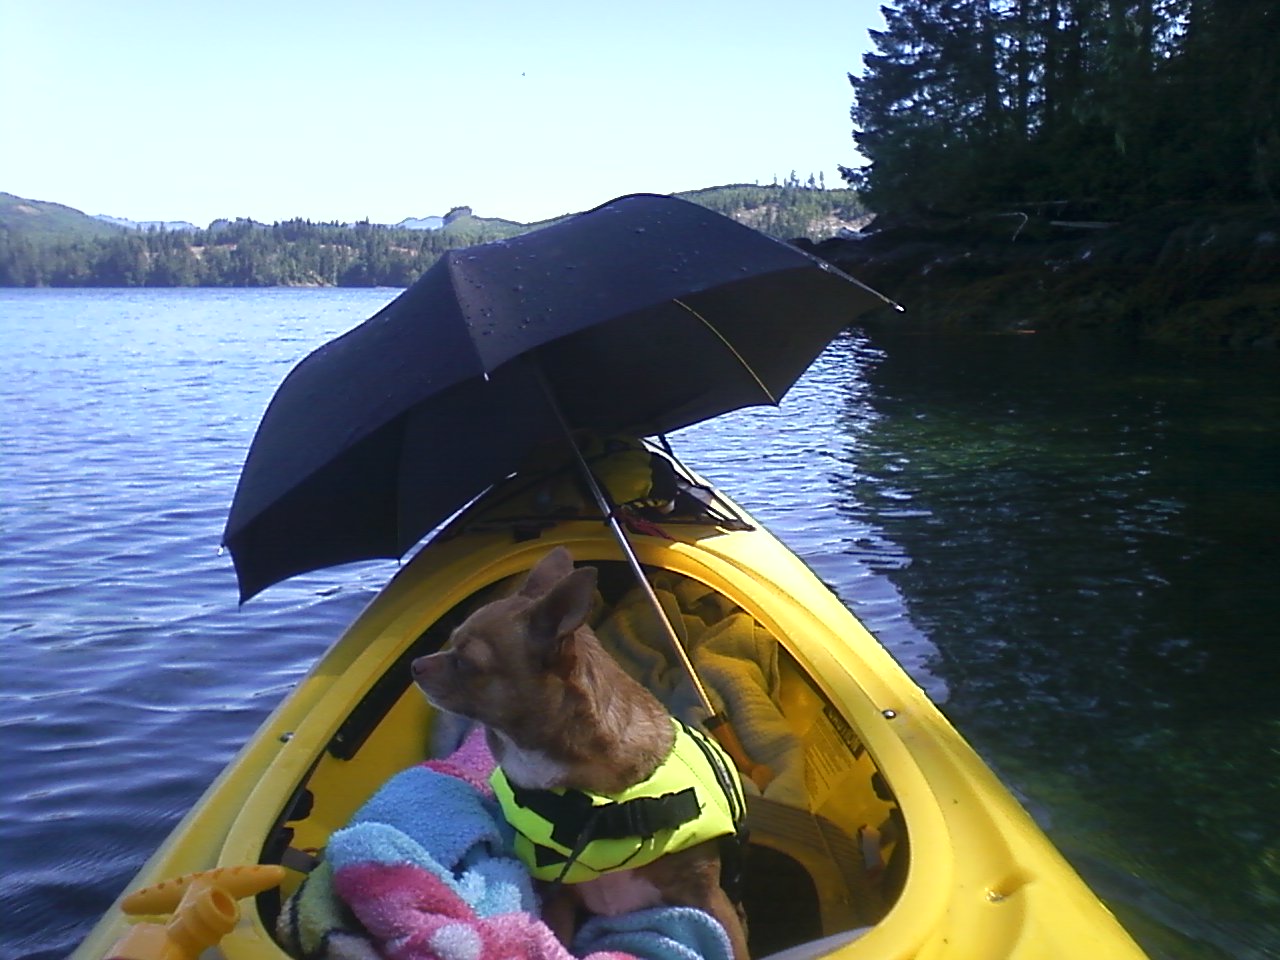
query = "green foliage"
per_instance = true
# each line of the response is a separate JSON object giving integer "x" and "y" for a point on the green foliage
{"x": 787, "y": 210}
{"x": 239, "y": 254}
{"x": 464, "y": 229}
{"x": 243, "y": 253}
{"x": 1117, "y": 106}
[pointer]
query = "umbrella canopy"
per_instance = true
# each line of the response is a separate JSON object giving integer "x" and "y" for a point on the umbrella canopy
{"x": 641, "y": 316}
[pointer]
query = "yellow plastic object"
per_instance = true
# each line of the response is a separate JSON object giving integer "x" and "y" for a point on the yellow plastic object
{"x": 204, "y": 911}
{"x": 236, "y": 882}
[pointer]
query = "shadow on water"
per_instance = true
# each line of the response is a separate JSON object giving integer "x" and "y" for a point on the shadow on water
{"x": 1091, "y": 535}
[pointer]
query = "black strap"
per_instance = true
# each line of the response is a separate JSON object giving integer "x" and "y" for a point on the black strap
{"x": 304, "y": 861}
{"x": 570, "y": 812}
{"x": 733, "y": 856}
{"x": 726, "y": 776}
{"x": 586, "y": 836}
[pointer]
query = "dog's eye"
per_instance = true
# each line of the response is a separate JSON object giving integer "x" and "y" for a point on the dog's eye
{"x": 463, "y": 666}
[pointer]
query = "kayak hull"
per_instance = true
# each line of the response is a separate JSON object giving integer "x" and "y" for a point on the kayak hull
{"x": 970, "y": 875}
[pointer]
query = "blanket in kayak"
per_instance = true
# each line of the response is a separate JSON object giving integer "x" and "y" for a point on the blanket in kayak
{"x": 425, "y": 871}
{"x": 735, "y": 657}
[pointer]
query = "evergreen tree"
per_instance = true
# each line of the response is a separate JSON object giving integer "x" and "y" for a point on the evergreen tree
{"x": 1124, "y": 103}
{"x": 19, "y": 262}
{"x": 124, "y": 261}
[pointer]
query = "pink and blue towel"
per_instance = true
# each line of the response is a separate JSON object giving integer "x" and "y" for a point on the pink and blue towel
{"x": 424, "y": 871}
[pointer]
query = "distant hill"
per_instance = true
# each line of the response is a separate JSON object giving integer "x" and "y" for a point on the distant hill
{"x": 421, "y": 223}
{"x": 39, "y": 220}
{"x": 464, "y": 228}
{"x": 170, "y": 225}
{"x": 47, "y": 244}
{"x": 786, "y": 211}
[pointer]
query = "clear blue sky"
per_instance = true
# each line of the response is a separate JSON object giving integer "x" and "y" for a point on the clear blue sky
{"x": 271, "y": 109}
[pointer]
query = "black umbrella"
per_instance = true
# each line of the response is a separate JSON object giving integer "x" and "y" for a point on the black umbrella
{"x": 642, "y": 316}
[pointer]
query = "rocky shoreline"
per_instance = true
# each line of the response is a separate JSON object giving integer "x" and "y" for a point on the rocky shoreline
{"x": 1192, "y": 276}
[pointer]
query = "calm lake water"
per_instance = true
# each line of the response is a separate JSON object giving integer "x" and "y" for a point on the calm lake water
{"x": 1072, "y": 545}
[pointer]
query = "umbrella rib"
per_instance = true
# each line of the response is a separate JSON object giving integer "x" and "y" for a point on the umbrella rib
{"x": 745, "y": 366}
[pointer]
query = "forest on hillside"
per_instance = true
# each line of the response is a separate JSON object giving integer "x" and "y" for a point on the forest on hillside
{"x": 788, "y": 210}
{"x": 243, "y": 253}
{"x": 1105, "y": 107}
{"x": 239, "y": 253}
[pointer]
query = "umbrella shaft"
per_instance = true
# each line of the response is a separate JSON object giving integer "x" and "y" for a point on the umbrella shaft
{"x": 670, "y": 630}
{"x": 602, "y": 500}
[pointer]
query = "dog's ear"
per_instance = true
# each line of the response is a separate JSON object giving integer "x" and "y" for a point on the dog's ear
{"x": 563, "y": 609}
{"x": 547, "y": 572}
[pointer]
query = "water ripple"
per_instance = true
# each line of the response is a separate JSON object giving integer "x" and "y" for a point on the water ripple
{"x": 1069, "y": 546}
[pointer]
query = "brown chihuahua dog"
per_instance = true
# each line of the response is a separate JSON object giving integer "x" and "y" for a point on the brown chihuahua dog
{"x": 615, "y": 804}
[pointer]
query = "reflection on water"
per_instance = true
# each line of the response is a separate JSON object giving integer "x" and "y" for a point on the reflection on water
{"x": 781, "y": 464}
{"x": 1069, "y": 546}
{"x": 1089, "y": 535}
{"x": 125, "y": 685}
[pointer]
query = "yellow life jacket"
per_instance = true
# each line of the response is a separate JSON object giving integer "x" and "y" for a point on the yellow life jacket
{"x": 571, "y": 836}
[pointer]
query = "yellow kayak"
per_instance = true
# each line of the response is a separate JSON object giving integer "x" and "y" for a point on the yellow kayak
{"x": 878, "y": 832}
